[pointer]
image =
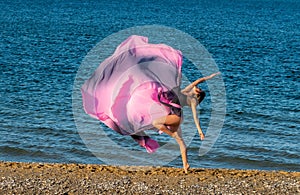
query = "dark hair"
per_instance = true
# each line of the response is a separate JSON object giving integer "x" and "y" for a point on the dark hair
{"x": 201, "y": 96}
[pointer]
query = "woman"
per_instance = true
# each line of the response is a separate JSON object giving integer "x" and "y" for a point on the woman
{"x": 138, "y": 88}
{"x": 191, "y": 96}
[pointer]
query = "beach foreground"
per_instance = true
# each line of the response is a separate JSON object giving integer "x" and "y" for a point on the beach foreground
{"x": 37, "y": 178}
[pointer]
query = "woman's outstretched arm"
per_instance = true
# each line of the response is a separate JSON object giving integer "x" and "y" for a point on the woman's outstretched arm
{"x": 200, "y": 80}
{"x": 196, "y": 119}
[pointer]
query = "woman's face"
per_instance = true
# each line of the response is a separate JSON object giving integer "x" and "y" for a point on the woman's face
{"x": 198, "y": 94}
{"x": 195, "y": 95}
{"x": 196, "y": 90}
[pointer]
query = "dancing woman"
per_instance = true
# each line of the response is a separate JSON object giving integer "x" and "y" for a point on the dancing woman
{"x": 138, "y": 88}
{"x": 190, "y": 96}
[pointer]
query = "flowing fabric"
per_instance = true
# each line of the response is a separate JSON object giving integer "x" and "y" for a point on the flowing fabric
{"x": 127, "y": 90}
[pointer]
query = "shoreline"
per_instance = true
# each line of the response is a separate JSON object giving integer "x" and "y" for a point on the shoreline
{"x": 50, "y": 178}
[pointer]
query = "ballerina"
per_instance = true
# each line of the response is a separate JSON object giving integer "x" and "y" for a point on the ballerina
{"x": 138, "y": 88}
{"x": 190, "y": 96}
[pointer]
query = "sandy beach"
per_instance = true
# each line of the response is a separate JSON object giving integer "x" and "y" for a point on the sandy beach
{"x": 43, "y": 178}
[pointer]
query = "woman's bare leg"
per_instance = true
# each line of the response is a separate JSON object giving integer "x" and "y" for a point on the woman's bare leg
{"x": 162, "y": 124}
{"x": 183, "y": 149}
{"x": 171, "y": 125}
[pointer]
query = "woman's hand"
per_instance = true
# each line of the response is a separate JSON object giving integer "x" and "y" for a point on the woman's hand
{"x": 202, "y": 136}
{"x": 212, "y": 75}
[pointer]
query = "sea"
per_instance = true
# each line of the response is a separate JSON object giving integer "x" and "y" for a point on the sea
{"x": 255, "y": 44}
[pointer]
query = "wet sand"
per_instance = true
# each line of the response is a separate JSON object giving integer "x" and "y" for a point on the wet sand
{"x": 43, "y": 178}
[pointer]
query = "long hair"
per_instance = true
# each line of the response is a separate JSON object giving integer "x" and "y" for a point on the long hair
{"x": 200, "y": 96}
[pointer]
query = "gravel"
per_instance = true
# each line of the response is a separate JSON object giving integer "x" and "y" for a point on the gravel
{"x": 43, "y": 178}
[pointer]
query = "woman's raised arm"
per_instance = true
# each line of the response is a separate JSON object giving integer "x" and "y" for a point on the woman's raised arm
{"x": 200, "y": 80}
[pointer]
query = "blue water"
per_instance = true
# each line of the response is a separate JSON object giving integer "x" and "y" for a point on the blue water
{"x": 256, "y": 45}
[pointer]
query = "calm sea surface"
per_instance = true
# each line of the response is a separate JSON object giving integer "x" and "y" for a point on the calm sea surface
{"x": 256, "y": 45}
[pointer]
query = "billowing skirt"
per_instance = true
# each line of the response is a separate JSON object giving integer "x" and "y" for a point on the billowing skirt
{"x": 127, "y": 90}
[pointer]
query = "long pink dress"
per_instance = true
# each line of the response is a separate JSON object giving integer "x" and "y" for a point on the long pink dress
{"x": 127, "y": 90}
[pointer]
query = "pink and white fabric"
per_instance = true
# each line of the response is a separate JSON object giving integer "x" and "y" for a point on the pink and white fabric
{"x": 124, "y": 91}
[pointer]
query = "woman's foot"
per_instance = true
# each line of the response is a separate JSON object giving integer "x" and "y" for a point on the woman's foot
{"x": 186, "y": 167}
